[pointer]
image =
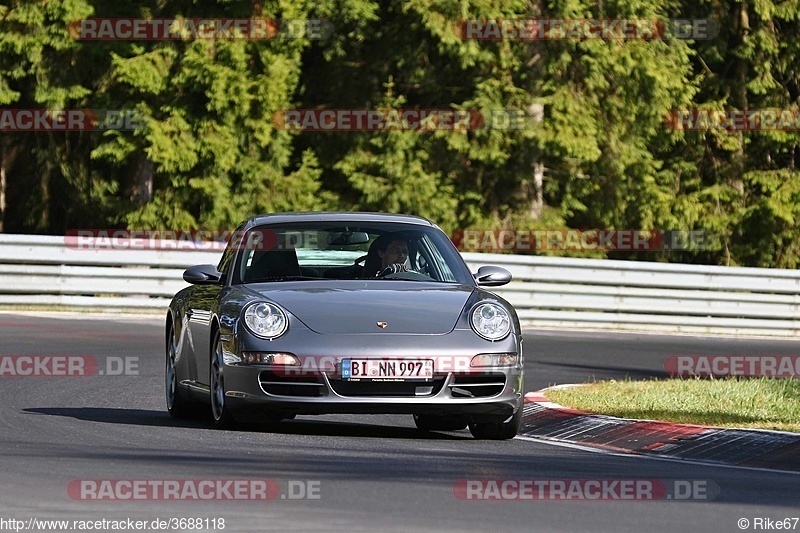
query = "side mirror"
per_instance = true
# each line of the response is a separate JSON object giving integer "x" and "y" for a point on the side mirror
{"x": 492, "y": 276}
{"x": 202, "y": 275}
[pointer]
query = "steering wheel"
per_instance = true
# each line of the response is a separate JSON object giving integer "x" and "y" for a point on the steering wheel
{"x": 394, "y": 268}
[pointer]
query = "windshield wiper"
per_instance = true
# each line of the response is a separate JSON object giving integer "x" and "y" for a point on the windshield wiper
{"x": 400, "y": 278}
{"x": 283, "y": 278}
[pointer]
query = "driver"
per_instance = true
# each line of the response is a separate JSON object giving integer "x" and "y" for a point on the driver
{"x": 394, "y": 253}
{"x": 388, "y": 255}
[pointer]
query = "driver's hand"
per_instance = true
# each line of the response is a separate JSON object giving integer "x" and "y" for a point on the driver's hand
{"x": 394, "y": 268}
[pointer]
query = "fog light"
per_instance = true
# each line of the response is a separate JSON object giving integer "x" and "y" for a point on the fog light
{"x": 494, "y": 359}
{"x": 276, "y": 359}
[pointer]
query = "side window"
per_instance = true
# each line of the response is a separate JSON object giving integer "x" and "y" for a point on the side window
{"x": 227, "y": 258}
{"x": 247, "y": 262}
{"x": 229, "y": 254}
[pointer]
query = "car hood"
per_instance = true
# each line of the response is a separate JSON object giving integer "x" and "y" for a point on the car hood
{"x": 356, "y": 307}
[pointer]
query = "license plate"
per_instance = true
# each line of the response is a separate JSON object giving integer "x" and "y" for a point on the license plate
{"x": 387, "y": 369}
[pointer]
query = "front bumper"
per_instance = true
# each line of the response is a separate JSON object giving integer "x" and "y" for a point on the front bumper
{"x": 481, "y": 394}
{"x": 496, "y": 394}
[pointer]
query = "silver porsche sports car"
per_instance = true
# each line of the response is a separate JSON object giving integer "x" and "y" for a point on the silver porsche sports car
{"x": 318, "y": 313}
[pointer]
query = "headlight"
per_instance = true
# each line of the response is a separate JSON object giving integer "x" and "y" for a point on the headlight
{"x": 490, "y": 321}
{"x": 264, "y": 320}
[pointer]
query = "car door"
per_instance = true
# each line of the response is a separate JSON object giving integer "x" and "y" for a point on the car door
{"x": 200, "y": 309}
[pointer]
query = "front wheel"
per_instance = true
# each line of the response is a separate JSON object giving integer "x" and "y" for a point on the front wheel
{"x": 498, "y": 430}
{"x": 220, "y": 412}
{"x": 178, "y": 405}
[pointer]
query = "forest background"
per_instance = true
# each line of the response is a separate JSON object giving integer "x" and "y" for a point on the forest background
{"x": 598, "y": 152}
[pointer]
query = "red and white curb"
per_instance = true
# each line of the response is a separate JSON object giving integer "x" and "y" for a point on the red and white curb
{"x": 775, "y": 450}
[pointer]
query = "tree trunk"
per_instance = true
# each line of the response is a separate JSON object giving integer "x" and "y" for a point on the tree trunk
{"x": 7, "y": 156}
{"x": 3, "y": 189}
{"x": 141, "y": 189}
{"x": 742, "y": 25}
{"x": 537, "y": 205}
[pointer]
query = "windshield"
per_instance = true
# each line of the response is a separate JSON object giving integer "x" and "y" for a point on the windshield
{"x": 319, "y": 251}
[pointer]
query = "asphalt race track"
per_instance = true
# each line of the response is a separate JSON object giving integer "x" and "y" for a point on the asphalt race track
{"x": 364, "y": 473}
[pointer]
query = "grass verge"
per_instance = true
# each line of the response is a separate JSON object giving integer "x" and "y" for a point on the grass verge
{"x": 762, "y": 403}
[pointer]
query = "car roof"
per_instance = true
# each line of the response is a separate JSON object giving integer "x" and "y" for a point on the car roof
{"x": 337, "y": 217}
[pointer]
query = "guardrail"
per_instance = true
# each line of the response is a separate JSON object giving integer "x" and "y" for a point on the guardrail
{"x": 546, "y": 291}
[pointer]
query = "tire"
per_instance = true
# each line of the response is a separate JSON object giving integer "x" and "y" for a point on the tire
{"x": 220, "y": 412}
{"x": 440, "y": 423}
{"x": 498, "y": 430}
{"x": 178, "y": 405}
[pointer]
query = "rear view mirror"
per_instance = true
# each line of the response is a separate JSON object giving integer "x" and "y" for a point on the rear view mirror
{"x": 492, "y": 276}
{"x": 348, "y": 238}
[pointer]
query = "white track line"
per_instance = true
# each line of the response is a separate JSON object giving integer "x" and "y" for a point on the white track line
{"x": 654, "y": 458}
